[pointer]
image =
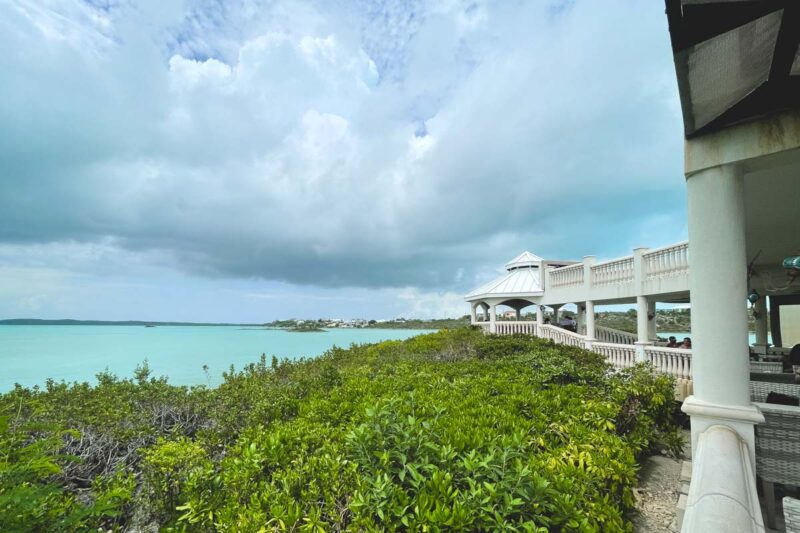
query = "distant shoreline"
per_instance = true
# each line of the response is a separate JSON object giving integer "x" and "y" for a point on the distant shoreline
{"x": 269, "y": 326}
{"x": 71, "y": 322}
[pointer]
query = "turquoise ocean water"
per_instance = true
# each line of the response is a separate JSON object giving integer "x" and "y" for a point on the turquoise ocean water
{"x": 31, "y": 354}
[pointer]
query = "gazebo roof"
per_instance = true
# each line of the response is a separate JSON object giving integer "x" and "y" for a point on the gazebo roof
{"x": 525, "y": 259}
{"x": 735, "y": 60}
{"x": 522, "y": 279}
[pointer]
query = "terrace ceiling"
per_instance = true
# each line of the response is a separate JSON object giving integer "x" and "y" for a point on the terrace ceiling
{"x": 735, "y": 60}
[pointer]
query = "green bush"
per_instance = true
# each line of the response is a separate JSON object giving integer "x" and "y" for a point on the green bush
{"x": 447, "y": 431}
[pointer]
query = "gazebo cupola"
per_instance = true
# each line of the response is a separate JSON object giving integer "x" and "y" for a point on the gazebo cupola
{"x": 524, "y": 260}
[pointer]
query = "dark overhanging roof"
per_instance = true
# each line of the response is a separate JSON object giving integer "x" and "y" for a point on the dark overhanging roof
{"x": 735, "y": 60}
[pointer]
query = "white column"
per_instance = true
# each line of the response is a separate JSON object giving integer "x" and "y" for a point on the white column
{"x": 638, "y": 269}
{"x": 492, "y": 319}
{"x": 580, "y": 316}
{"x": 641, "y": 327}
{"x": 473, "y": 313}
{"x": 652, "y": 334}
{"x": 718, "y": 285}
{"x": 539, "y": 315}
{"x": 760, "y": 310}
{"x": 555, "y": 314}
{"x": 519, "y": 313}
{"x": 590, "y": 321}
{"x": 588, "y": 263}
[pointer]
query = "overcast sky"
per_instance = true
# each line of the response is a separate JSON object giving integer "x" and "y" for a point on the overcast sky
{"x": 245, "y": 160}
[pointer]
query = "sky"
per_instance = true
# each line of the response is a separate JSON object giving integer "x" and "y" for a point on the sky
{"x": 248, "y": 160}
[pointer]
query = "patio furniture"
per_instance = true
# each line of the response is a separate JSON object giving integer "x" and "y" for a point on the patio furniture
{"x": 777, "y": 442}
{"x": 791, "y": 514}
{"x": 759, "y": 390}
{"x": 765, "y": 367}
{"x": 784, "y": 377}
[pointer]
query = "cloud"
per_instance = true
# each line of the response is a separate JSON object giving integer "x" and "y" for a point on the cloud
{"x": 396, "y": 144}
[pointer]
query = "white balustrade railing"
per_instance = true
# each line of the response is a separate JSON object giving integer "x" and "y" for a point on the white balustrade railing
{"x": 618, "y": 355}
{"x": 561, "y": 336}
{"x": 568, "y": 276}
{"x": 613, "y": 272}
{"x": 666, "y": 262}
{"x": 510, "y": 328}
{"x": 614, "y": 336}
{"x": 675, "y": 362}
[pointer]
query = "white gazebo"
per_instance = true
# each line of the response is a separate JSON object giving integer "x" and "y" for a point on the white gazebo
{"x": 521, "y": 286}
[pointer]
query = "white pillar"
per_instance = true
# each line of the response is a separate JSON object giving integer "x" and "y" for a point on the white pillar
{"x": 539, "y": 315}
{"x": 492, "y": 319}
{"x": 519, "y": 314}
{"x": 473, "y": 314}
{"x": 760, "y": 311}
{"x": 588, "y": 263}
{"x": 638, "y": 269}
{"x": 580, "y": 316}
{"x": 718, "y": 285}
{"x": 641, "y": 327}
{"x": 652, "y": 334}
{"x": 590, "y": 334}
{"x": 555, "y": 314}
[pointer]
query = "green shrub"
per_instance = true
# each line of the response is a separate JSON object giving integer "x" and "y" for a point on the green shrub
{"x": 449, "y": 431}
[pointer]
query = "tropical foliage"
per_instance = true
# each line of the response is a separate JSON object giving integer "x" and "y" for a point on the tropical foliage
{"x": 447, "y": 431}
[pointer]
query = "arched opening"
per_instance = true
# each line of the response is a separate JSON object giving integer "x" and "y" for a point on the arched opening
{"x": 517, "y": 310}
{"x": 480, "y": 312}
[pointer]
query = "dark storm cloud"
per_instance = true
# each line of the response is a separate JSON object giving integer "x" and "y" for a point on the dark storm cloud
{"x": 271, "y": 143}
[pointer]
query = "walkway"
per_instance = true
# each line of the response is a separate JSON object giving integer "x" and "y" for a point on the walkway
{"x": 618, "y": 347}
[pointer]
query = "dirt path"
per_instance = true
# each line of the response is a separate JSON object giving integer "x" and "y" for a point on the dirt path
{"x": 657, "y": 495}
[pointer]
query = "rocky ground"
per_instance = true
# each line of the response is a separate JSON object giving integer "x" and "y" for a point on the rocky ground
{"x": 657, "y": 494}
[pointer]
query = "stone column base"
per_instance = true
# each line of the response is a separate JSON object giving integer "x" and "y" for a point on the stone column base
{"x": 741, "y": 418}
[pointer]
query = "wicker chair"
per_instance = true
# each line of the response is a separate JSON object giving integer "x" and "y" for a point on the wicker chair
{"x": 777, "y": 442}
{"x": 791, "y": 513}
{"x": 759, "y": 390}
{"x": 765, "y": 367}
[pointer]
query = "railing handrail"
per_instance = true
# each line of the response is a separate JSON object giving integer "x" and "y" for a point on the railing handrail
{"x": 664, "y": 349}
{"x": 614, "y": 345}
{"x": 566, "y": 332}
{"x": 613, "y": 330}
{"x": 576, "y": 266}
{"x": 604, "y": 333}
{"x": 654, "y": 251}
{"x": 612, "y": 261}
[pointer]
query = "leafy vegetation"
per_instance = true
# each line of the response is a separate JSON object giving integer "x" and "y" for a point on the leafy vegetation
{"x": 448, "y": 431}
{"x": 675, "y": 320}
{"x": 413, "y": 323}
{"x": 310, "y": 327}
{"x": 666, "y": 320}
